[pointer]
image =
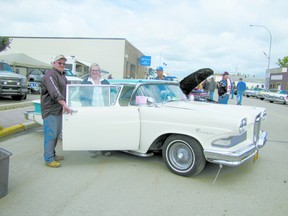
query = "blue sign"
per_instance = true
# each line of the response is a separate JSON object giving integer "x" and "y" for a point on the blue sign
{"x": 145, "y": 60}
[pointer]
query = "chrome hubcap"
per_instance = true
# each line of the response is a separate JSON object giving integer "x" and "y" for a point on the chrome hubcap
{"x": 181, "y": 155}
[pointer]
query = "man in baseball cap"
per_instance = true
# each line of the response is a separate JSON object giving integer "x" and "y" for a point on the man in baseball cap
{"x": 59, "y": 57}
{"x": 53, "y": 105}
{"x": 159, "y": 72}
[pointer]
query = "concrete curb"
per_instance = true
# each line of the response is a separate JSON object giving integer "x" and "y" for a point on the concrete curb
{"x": 15, "y": 105}
{"x": 17, "y": 128}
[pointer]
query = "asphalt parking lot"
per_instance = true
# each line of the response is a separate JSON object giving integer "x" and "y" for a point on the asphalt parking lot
{"x": 128, "y": 185}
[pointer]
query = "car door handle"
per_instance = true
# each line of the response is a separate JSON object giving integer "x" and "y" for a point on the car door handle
{"x": 74, "y": 111}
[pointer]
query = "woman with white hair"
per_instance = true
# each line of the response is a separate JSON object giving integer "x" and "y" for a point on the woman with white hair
{"x": 95, "y": 98}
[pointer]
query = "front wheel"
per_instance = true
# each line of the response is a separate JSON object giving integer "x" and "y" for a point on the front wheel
{"x": 19, "y": 97}
{"x": 183, "y": 155}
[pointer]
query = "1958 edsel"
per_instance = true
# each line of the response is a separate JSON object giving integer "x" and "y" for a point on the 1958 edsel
{"x": 141, "y": 117}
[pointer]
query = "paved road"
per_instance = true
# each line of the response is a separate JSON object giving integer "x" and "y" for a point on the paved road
{"x": 128, "y": 185}
{"x": 9, "y": 101}
{"x": 11, "y": 111}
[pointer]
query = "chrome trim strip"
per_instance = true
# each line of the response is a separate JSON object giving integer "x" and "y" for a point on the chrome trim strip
{"x": 139, "y": 154}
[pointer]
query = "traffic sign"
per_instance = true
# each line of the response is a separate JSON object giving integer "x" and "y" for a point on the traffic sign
{"x": 145, "y": 60}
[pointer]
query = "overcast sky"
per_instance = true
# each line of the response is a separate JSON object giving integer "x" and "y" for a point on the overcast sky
{"x": 186, "y": 35}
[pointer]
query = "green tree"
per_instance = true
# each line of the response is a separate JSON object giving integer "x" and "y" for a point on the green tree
{"x": 283, "y": 62}
{"x": 4, "y": 43}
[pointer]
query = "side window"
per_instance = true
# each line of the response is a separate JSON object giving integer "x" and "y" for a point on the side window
{"x": 126, "y": 95}
{"x": 91, "y": 95}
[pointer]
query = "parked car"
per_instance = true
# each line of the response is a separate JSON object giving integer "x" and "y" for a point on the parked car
{"x": 34, "y": 80}
{"x": 262, "y": 95}
{"x": 142, "y": 117}
{"x": 71, "y": 77}
{"x": 249, "y": 93}
{"x": 280, "y": 96}
{"x": 34, "y": 87}
{"x": 35, "y": 75}
{"x": 12, "y": 84}
{"x": 252, "y": 92}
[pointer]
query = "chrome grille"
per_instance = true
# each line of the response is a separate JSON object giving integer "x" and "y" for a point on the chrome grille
{"x": 10, "y": 82}
{"x": 257, "y": 126}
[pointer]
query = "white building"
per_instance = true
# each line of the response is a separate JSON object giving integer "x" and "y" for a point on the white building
{"x": 115, "y": 55}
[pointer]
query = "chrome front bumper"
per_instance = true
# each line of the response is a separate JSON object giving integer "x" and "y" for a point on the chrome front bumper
{"x": 238, "y": 157}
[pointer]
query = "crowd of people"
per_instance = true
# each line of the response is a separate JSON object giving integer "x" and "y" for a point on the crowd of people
{"x": 225, "y": 87}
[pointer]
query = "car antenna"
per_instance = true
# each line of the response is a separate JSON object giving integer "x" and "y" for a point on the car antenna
{"x": 220, "y": 167}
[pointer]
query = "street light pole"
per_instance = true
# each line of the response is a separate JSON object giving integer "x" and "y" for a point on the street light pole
{"x": 269, "y": 54}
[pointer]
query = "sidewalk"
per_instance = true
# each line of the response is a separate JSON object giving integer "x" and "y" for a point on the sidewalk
{"x": 12, "y": 119}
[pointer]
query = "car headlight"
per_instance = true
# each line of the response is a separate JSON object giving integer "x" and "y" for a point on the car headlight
{"x": 24, "y": 82}
{"x": 243, "y": 126}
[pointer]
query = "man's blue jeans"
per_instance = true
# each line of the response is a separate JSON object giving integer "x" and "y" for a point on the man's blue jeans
{"x": 52, "y": 126}
{"x": 211, "y": 95}
{"x": 223, "y": 99}
{"x": 239, "y": 97}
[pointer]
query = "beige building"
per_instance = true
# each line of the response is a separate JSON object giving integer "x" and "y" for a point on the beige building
{"x": 114, "y": 55}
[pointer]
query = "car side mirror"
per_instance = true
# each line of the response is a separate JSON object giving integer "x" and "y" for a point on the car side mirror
{"x": 150, "y": 101}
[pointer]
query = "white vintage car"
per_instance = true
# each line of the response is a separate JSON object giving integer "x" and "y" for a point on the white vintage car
{"x": 141, "y": 117}
{"x": 281, "y": 96}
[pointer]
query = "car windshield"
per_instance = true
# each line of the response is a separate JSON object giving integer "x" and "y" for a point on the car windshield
{"x": 161, "y": 93}
{"x": 5, "y": 67}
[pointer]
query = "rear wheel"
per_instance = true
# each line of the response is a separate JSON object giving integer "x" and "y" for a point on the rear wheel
{"x": 183, "y": 155}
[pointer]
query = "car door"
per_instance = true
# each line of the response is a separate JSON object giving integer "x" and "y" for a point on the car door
{"x": 101, "y": 125}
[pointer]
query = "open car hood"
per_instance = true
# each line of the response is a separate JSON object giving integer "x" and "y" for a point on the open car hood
{"x": 194, "y": 79}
